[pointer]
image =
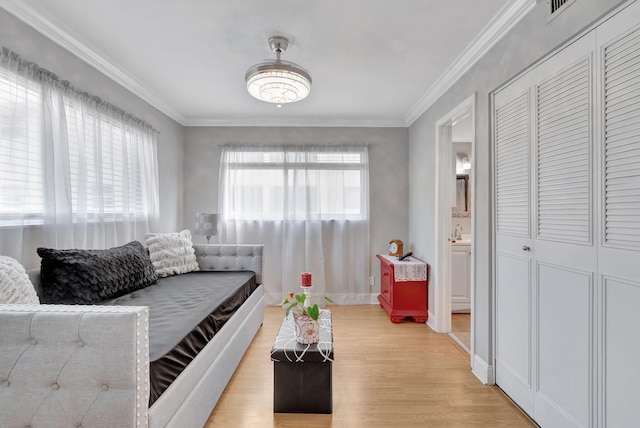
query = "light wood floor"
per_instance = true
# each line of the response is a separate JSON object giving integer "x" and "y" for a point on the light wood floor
{"x": 461, "y": 328}
{"x": 384, "y": 375}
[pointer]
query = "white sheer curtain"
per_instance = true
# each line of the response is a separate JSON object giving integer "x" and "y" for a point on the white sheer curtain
{"x": 75, "y": 171}
{"x": 309, "y": 206}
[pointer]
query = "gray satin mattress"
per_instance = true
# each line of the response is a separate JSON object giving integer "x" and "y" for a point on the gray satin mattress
{"x": 185, "y": 312}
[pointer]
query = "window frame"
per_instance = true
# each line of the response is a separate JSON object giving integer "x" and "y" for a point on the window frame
{"x": 287, "y": 166}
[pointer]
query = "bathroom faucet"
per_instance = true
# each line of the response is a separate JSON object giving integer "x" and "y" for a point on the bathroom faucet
{"x": 458, "y": 232}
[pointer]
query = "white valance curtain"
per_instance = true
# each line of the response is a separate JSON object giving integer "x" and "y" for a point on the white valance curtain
{"x": 75, "y": 171}
{"x": 309, "y": 206}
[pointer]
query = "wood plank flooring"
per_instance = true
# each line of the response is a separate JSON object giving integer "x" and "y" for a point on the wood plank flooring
{"x": 384, "y": 375}
{"x": 461, "y": 328}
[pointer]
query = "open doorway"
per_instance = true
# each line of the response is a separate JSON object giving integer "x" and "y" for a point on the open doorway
{"x": 460, "y": 231}
{"x": 453, "y": 276}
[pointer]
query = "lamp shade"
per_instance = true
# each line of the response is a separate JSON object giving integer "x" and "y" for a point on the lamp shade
{"x": 206, "y": 224}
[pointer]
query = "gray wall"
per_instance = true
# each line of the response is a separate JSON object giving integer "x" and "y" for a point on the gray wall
{"x": 33, "y": 46}
{"x": 526, "y": 43}
{"x": 388, "y": 175}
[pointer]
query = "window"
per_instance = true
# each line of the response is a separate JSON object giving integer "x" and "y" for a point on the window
{"x": 108, "y": 173}
{"x": 294, "y": 183}
{"x": 309, "y": 205}
{"x": 21, "y": 175}
{"x": 68, "y": 157}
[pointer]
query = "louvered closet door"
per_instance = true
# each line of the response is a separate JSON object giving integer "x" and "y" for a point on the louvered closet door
{"x": 545, "y": 255}
{"x": 512, "y": 130}
{"x": 565, "y": 253}
{"x": 619, "y": 226}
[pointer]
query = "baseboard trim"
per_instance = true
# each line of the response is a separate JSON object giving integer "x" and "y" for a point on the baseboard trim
{"x": 431, "y": 322}
{"x": 482, "y": 370}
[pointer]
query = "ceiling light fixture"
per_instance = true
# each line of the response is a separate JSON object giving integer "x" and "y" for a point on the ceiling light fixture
{"x": 278, "y": 82}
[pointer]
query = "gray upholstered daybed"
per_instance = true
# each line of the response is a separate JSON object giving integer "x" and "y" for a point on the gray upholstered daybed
{"x": 88, "y": 365}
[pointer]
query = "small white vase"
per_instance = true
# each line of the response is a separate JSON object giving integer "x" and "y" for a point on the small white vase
{"x": 307, "y": 330}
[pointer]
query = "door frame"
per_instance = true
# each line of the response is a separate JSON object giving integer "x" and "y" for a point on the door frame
{"x": 441, "y": 322}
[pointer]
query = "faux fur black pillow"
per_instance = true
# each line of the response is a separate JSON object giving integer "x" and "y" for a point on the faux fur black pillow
{"x": 91, "y": 276}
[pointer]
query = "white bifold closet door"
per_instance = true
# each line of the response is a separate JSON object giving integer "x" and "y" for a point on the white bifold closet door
{"x": 545, "y": 254}
{"x": 619, "y": 220}
{"x": 513, "y": 228}
{"x": 567, "y": 262}
{"x": 565, "y": 257}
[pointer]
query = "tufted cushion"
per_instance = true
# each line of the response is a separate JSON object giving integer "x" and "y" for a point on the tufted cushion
{"x": 235, "y": 257}
{"x": 15, "y": 286}
{"x": 73, "y": 366}
{"x": 91, "y": 276}
{"x": 171, "y": 253}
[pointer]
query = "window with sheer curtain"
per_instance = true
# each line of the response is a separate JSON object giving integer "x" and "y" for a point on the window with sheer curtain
{"x": 80, "y": 171}
{"x": 309, "y": 205}
{"x": 296, "y": 184}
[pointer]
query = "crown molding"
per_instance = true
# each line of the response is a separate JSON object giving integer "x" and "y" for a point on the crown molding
{"x": 500, "y": 25}
{"x": 64, "y": 37}
{"x": 504, "y": 20}
{"x": 298, "y": 122}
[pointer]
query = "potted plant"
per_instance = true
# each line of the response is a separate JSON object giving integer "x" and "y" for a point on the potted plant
{"x": 305, "y": 316}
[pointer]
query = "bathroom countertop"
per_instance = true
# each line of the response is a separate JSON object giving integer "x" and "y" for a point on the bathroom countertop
{"x": 460, "y": 242}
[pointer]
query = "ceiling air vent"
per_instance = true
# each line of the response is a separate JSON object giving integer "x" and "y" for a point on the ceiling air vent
{"x": 555, "y": 7}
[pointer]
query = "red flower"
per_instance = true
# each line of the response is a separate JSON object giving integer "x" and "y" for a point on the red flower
{"x": 296, "y": 303}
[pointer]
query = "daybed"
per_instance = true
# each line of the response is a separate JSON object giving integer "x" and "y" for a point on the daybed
{"x": 88, "y": 365}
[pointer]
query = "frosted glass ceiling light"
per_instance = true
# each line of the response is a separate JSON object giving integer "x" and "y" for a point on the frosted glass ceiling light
{"x": 278, "y": 82}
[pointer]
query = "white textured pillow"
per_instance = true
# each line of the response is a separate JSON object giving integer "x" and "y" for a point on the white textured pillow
{"x": 171, "y": 253}
{"x": 15, "y": 286}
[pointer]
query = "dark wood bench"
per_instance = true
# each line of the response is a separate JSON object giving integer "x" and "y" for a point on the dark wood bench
{"x": 302, "y": 373}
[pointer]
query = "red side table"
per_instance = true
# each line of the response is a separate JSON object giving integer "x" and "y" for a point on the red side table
{"x": 403, "y": 286}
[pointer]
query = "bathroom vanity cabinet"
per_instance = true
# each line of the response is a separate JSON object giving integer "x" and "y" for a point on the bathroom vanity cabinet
{"x": 460, "y": 278}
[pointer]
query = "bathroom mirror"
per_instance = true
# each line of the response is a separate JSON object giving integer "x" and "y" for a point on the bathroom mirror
{"x": 462, "y": 201}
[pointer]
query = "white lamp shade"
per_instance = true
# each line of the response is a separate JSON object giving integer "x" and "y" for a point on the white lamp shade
{"x": 206, "y": 224}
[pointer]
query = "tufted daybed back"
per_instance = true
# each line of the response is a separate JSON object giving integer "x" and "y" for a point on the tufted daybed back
{"x": 230, "y": 257}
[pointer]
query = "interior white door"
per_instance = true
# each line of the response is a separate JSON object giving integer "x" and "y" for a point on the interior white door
{"x": 565, "y": 257}
{"x": 619, "y": 196}
{"x": 513, "y": 264}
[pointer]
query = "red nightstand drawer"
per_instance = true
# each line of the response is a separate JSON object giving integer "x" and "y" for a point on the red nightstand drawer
{"x": 386, "y": 275}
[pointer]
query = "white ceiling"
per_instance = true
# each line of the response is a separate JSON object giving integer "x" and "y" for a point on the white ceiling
{"x": 373, "y": 62}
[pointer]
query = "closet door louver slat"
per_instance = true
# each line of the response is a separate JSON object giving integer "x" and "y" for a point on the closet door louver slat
{"x": 622, "y": 142}
{"x": 563, "y": 156}
{"x": 512, "y": 179}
